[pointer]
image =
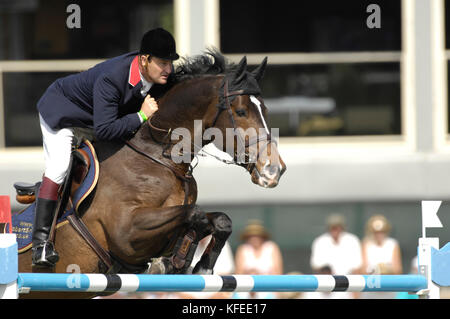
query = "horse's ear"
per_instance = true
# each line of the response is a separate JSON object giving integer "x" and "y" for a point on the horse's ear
{"x": 240, "y": 70}
{"x": 258, "y": 73}
{"x": 242, "y": 65}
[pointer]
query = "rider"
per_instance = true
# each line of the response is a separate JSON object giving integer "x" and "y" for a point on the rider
{"x": 110, "y": 100}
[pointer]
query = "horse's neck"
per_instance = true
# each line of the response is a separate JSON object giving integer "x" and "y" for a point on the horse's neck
{"x": 186, "y": 102}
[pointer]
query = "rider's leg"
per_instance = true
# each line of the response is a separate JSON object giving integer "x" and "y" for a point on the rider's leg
{"x": 57, "y": 149}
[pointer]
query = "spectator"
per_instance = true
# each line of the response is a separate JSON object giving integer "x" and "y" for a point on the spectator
{"x": 381, "y": 253}
{"x": 258, "y": 255}
{"x": 336, "y": 248}
{"x": 338, "y": 251}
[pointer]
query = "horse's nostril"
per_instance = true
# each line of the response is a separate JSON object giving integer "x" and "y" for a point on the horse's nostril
{"x": 273, "y": 170}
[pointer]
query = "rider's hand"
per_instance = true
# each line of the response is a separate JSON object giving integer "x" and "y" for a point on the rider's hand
{"x": 149, "y": 106}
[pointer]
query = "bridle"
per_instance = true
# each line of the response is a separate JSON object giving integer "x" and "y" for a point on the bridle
{"x": 267, "y": 137}
{"x": 249, "y": 166}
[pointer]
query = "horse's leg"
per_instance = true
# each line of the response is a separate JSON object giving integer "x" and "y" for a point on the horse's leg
{"x": 222, "y": 230}
{"x": 197, "y": 227}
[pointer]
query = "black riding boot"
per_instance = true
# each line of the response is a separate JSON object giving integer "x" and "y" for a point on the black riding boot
{"x": 44, "y": 253}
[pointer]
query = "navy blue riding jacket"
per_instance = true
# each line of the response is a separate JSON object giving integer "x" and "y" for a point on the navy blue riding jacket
{"x": 105, "y": 98}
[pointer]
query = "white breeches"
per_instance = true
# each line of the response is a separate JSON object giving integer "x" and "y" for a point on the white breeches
{"x": 57, "y": 150}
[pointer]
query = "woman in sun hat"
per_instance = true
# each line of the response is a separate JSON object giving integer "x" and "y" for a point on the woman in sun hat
{"x": 258, "y": 255}
{"x": 381, "y": 253}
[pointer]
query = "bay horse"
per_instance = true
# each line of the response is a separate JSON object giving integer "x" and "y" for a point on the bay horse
{"x": 143, "y": 208}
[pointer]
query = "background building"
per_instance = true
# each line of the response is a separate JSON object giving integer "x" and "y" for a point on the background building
{"x": 362, "y": 112}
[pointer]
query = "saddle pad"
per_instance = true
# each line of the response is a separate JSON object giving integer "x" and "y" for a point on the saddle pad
{"x": 22, "y": 222}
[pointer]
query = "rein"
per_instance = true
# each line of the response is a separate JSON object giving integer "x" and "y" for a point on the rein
{"x": 184, "y": 177}
{"x": 178, "y": 173}
{"x": 226, "y": 94}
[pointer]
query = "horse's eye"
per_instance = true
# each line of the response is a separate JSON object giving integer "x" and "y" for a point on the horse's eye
{"x": 241, "y": 113}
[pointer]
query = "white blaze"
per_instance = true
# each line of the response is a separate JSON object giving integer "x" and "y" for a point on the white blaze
{"x": 258, "y": 106}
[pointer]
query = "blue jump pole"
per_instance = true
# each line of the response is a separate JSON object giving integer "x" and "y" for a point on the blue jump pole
{"x": 129, "y": 282}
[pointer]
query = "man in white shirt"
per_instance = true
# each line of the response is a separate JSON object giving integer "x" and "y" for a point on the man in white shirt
{"x": 337, "y": 249}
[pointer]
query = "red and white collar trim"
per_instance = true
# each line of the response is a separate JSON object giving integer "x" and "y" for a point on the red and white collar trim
{"x": 134, "y": 76}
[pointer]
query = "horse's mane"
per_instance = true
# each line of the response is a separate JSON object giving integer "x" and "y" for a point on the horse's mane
{"x": 211, "y": 62}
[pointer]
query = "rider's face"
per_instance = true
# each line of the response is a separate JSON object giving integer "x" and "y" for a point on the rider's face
{"x": 155, "y": 70}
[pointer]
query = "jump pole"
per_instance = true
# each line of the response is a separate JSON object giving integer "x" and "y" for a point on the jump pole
{"x": 235, "y": 283}
{"x": 12, "y": 283}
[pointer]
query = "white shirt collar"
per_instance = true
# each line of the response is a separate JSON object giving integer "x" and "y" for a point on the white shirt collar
{"x": 146, "y": 86}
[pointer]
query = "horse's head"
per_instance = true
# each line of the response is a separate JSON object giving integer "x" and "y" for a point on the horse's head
{"x": 241, "y": 117}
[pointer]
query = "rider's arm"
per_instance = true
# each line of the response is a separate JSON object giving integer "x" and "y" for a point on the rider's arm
{"x": 107, "y": 124}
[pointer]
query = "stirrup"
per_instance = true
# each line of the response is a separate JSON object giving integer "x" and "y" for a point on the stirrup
{"x": 44, "y": 260}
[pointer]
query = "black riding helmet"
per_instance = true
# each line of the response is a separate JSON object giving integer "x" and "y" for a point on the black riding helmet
{"x": 159, "y": 43}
